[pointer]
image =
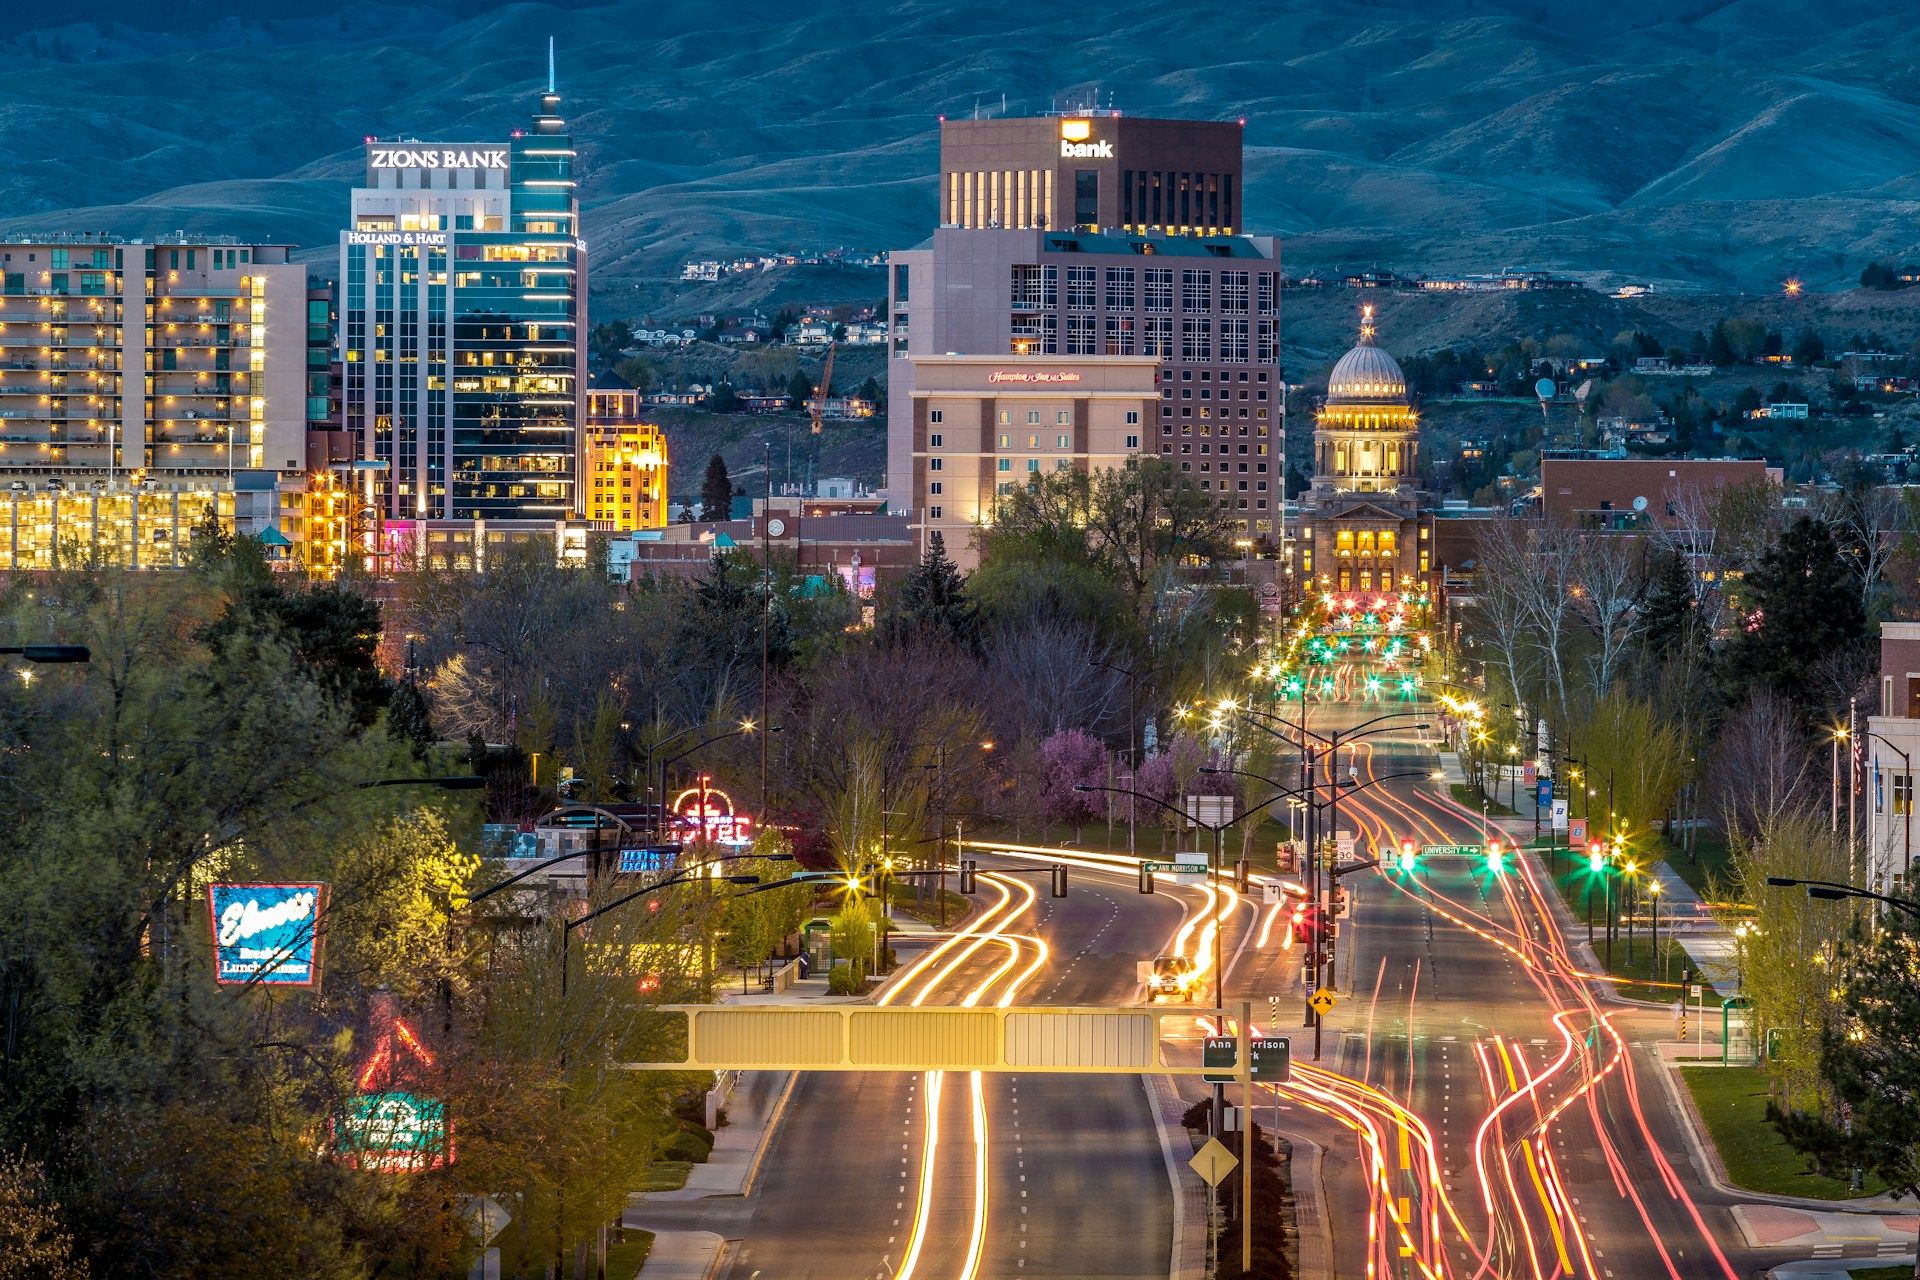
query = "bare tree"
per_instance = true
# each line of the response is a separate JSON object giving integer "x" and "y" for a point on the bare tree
{"x": 1046, "y": 674}
{"x": 1500, "y": 604}
{"x": 1762, "y": 770}
{"x": 1609, "y": 581}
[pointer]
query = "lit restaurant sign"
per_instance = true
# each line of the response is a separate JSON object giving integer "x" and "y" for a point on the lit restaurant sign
{"x": 1032, "y": 377}
{"x": 383, "y": 156}
{"x": 404, "y": 239}
{"x": 266, "y": 933}
{"x": 1077, "y": 142}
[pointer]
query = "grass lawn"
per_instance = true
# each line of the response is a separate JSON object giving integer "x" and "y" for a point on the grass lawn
{"x": 1570, "y": 875}
{"x": 1715, "y": 863}
{"x": 666, "y": 1175}
{"x": 1467, "y": 794}
{"x": 624, "y": 1258}
{"x": 1733, "y": 1102}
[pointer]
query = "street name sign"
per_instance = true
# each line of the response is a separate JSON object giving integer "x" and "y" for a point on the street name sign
{"x": 1449, "y": 850}
{"x": 1272, "y": 1059}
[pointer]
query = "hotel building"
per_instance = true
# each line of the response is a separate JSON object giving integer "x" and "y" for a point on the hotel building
{"x": 1098, "y": 235}
{"x": 463, "y": 322}
{"x": 987, "y": 423}
{"x": 143, "y": 386}
{"x": 623, "y": 460}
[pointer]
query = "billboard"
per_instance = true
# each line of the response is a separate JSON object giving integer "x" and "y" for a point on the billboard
{"x": 266, "y": 933}
{"x": 394, "y": 1132}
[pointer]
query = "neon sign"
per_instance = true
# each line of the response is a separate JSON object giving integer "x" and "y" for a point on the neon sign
{"x": 383, "y": 1129}
{"x": 706, "y": 813}
{"x": 266, "y": 933}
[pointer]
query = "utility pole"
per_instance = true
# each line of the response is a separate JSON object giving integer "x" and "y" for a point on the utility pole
{"x": 766, "y": 611}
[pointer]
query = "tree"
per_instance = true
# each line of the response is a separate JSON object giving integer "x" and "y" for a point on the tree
{"x": 1072, "y": 758}
{"x": 1800, "y": 608}
{"x": 724, "y": 399}
{"x": 1867, "y": 1060}
{"x": 1719, "y": 346}
{"x": 1879, "y": 276}
{"x": 716, "y": 490}
{"x": 873, "y": 393}
{"x": 1608, "y": 586}
{"x": 32, "y": 1244}
{"x": 932, "y": 600}
{"x": 1745, "y": 338}
{"x": 1808, "y": 349}
{"x": 1669, "y": 619}
{"x": 408, "y": 719}
{"x": 799, "y": 389}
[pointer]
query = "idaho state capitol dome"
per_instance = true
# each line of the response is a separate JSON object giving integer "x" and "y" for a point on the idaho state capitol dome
{"x": 1366, "y": 372}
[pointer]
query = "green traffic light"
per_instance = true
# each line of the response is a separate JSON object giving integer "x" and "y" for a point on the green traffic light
{"x": 1596, "y": 863}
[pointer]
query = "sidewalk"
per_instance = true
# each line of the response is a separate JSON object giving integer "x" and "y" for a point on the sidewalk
{"x": 692, "y": 1225}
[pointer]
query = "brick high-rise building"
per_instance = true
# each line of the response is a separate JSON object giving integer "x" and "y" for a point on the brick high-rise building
{"x": 1100, "y": 235}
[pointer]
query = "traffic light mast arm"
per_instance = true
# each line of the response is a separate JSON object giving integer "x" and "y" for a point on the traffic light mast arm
{"x": 1348, "y": 735}
{"x": 1833, "y": 889}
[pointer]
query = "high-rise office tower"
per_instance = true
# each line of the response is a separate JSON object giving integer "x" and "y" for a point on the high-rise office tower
{"x": 1091, "y": 235}
{"x": 463, "y": 314}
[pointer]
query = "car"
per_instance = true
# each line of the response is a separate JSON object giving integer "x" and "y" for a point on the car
{"x": 1172, "y": 977}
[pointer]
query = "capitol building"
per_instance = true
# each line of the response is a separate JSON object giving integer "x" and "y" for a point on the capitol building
{"x": 1358, "y": 527}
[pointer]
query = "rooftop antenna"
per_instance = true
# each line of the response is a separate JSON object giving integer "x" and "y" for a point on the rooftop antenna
{"x": 550, "y": 88}
{"x": 1003, "y": 104}
{"x": 976, "y": 108}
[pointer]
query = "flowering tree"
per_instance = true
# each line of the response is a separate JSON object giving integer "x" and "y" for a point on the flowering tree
{"x": 1071, "y": 758}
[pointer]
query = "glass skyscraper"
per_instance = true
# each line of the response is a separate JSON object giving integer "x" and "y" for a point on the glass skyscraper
{"x": 463, "y": 314}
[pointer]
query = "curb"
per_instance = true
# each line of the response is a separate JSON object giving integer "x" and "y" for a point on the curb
{"x": 1706, "y": 1157}
{"x": 766, "y": 1134}
{"x": 1186, "y": 1240}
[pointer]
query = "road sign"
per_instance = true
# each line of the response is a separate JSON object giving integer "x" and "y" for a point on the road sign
{"x": 1220, "y": 1053}
{"x": 485, "y": 1218}
{"x": 1269, "y": 894}
{"x": 1272, "y": 1059}
{"x": 1450, "y": 850}
{"x": 1343, "y": 845}
{"x": 1214, "y": 1162}
{"x": 1185, "y": 871}
{"x": 1323, "y": 1001}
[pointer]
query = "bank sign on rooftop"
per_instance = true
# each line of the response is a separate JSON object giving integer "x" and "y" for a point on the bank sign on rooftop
{"x": 453, "y": 157}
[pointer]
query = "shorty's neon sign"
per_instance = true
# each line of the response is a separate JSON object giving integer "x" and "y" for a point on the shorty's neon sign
{"x": 1033, "y": 377}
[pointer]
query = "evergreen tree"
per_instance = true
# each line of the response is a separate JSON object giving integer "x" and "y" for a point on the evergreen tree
{"x": 1808, "y": 348}
{"x": 799, "y": 389}
{"x": 1668, "y": 617}
{"x": 933, "y": 599}
{"x": 1719, "y": 346}
{"x": 716, "y": 491}
{"x": 1801, "y": 608}
{"x": 1867, "y": 1058}
{"x": 408, "y": 720}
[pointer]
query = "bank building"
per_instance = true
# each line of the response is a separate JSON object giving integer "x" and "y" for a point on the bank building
{"x": 1358, "y": 527}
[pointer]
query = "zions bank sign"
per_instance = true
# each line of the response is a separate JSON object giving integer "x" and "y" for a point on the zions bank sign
{"x": 386, "y": 155}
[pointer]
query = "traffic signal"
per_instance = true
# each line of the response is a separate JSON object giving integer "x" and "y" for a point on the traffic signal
{"x": 1242, "y": 876}
{"x": 1060, "y": 880}
{"x": 1146, "y": 879}
{"x": 1493, "y": 854}
{"x": 1337, "y": 902}
{"x": 1596, "y": 857}
{"x": 969, "y": 876}
{"x": 1408, "y": 856}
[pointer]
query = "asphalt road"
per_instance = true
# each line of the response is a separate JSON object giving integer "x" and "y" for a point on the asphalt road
{"x": 1076, "y": 1183}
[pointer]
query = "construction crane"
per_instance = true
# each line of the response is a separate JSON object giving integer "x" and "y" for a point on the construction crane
{"x": 817, "y": 411}
{"x": 817, "y": 408}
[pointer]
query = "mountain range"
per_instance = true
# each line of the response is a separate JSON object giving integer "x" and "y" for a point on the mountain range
{"x": 1691, "y": 145}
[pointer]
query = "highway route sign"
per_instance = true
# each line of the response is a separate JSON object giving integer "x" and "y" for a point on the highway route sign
{"x": 1323, "y": 1001}
{"x": 1214, "y": 1162}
